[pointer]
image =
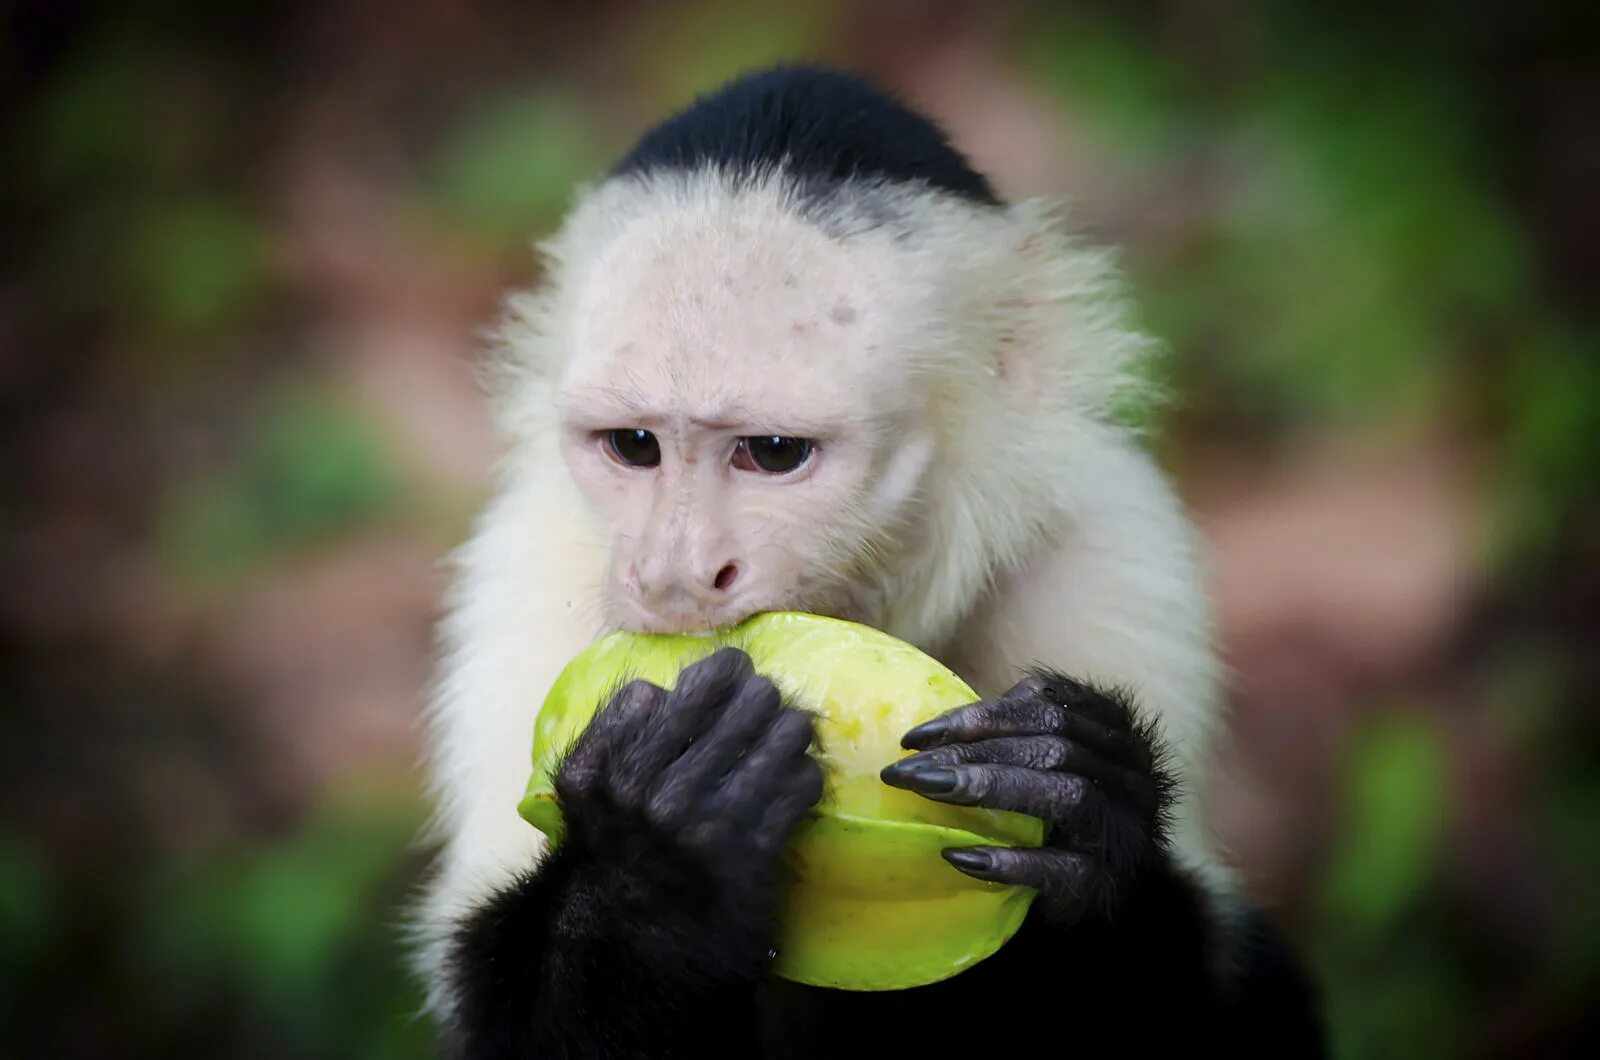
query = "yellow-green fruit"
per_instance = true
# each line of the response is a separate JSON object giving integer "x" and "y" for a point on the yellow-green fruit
{"x": 871, "y": 904}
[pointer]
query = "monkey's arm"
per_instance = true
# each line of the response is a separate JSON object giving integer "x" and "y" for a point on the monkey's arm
{"x": 645, "y": 932}
{"x": 1134, "y": 949}
{"x": 1153, "y": 980}
{"x": 1170, "y": 972}
{"x": 584, "y": 957}
{"x": 1132, "y": 940}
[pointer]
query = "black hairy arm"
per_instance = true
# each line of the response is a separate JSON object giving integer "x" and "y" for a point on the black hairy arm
{"x": 647, "y": 931}
{"x": 1122, "y": 953}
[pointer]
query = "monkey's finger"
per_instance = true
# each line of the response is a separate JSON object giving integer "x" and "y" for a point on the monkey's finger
{"x": 986, "y": 720}
{"x": 777, "y": 753}
{"x": 1054, "y": 797}
{"x": 1109, "y": 708}
{"x": 734, "y": 731}
{"x": 610, "y": 728}
{"x": 1035, "y": 708}
{"x": 765, "y": 770}
{"x": 761, "y": 800}
{"x": 799, "y": 792}
{"x": 1046, "y": 753}
{"x": 1070, "y": 883}
{"x": 703, "y": 689}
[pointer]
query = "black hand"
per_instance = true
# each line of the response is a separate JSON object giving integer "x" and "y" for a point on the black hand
{"x": 1074, "y": 755}
{"x": 646, "y": 931}
{"x": 708, "y": 780}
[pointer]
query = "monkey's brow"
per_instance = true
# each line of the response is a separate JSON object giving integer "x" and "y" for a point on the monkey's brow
{"x": 629, "y": 398}
{"x": 606, "y": 401}
{"x": 632, "y": 404}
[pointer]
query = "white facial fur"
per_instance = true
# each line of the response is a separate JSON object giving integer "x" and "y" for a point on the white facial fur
{"x": 703, "y": 326}
{"x": 897, "y": 329}
{"x": 956, "y": 365}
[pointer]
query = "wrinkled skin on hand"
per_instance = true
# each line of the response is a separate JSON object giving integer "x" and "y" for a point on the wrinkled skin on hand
{"x": 712, "y": 776}
{"x": 1077, "y": 757}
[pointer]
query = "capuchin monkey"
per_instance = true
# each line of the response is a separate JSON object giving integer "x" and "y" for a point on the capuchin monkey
{"x": 793, "y": 353}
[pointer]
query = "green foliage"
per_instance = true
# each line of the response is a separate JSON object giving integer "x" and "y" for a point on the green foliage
{"x": 196, "y": 263}
{"x": 1568, "y": 805}
{"x": 302, "y": 934}
{"x": 310, "y": 467}
{"x": 1545, "y": 472}
{"x": 1110, "y": 75}
{"x": 1394, "y": 817}
{"x": 127, "y": 148}
{"x": 1355, "y": 238}
{"x": 510, "y": 167}
{"x": 687, "y": 49}
{"x": 1378, "y": 912}
{"x": 29, "y": 917}
{"x": 1360, "y": 240}
{"x": 1403, "y": 996}
{"x": 87, "y": 122}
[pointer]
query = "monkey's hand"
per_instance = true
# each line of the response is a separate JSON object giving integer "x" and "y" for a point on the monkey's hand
{"x": 691, "y": 795}
{"x": 1074, "y": 755}
{"x": 645, "y": 931}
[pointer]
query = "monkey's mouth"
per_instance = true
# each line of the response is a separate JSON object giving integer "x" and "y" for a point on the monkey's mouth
{"x": 636, "y": 619}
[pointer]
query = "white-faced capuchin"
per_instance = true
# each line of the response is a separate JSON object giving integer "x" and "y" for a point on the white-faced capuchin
{"x": 793, "y": 353}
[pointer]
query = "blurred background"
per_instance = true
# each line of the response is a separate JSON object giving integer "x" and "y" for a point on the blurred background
{"x": 248, "y": 247}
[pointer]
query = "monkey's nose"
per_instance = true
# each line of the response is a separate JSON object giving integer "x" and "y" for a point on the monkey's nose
{"x": 689, "y": 601}
{"x": 667, "y": 591}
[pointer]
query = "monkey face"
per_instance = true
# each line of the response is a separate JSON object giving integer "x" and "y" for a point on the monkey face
{"x": 731, "y": 411}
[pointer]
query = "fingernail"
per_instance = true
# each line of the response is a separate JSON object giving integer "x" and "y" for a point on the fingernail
{"x": 968, "y": 860}
{"x": 926, "y": 733}
{"x": 928, "y": 779}
{"x": 896, "y": 773}
{"x": 903, "y": 774}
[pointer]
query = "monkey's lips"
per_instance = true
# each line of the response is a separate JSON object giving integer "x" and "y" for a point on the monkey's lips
{"x": 872, "y": 905}
{"x": 631, "y": 617}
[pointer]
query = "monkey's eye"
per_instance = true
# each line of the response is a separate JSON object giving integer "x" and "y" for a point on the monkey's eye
{"x": 772, "y": 454}
{"x": 634, "y": 447}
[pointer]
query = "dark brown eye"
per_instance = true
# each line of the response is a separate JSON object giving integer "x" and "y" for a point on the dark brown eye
{"x": 772, "y": 454}
{"x": 634, "y": 447}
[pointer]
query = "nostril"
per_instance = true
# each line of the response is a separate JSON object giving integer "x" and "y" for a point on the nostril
{"x": 725, "y": 576}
